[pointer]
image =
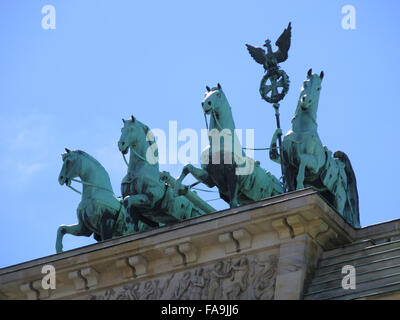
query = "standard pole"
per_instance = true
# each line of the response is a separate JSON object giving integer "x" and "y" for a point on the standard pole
{"x": 278, "y": 124}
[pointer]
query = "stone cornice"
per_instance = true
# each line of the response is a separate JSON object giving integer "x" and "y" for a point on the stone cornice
{"x": 263, "y": 225}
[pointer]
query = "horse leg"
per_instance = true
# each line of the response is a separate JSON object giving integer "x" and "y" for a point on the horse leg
{"x": 137, "y": 200}
{"x": 306, "y": 161}
{"x": 106, "y": 227}
{"x": 76, "y": 229}
{"x": 142, "y": 201}
{"x": 124, "y": 224}
{"x": 194, "y": 212}
{"x": 276, "y": 186}
{"x": 234, "y": 202}
{"x": 200, "y": 175}
{"x": 233, "y": 187}
{"x": 290, "y": 179}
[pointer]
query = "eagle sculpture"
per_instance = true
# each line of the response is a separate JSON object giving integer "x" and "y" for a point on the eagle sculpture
{"x": 270, "y": 59}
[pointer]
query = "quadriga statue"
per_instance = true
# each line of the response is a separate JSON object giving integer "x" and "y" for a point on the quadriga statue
{"x": 307, "y": 163}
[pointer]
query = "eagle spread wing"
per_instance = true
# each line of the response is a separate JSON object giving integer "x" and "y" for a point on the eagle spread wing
{"x": 257, "y": 53}
{"x": 283, "y": 43}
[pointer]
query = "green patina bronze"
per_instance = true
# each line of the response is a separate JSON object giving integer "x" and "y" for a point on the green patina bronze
{"x": 307, "y": 163}
{"x": 151, "y": 198}
{"x": 99, "y": 212}
{"x": 185, "y": 191}
{"x": 239, "y": 179}
{"x": 146, "y": 197}
{"x": 275, "y": 79}
{"x": 275, "y": 83}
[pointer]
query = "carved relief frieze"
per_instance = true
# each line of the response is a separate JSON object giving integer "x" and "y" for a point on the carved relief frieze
{"x": 241, "y": 277}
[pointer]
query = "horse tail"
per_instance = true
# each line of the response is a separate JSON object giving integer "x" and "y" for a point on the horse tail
{"x": 352, "y": 205}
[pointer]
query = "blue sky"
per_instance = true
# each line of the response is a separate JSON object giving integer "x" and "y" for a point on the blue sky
{"x": 106, "y": 60}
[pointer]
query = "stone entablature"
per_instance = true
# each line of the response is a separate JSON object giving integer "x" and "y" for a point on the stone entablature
{"x": 264, "y": 250}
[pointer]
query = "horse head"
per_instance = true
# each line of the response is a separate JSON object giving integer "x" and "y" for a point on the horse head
{"x": 72, "y": 165}
{"x": 137, "y": 136}
{"x": 309, "y": 95}
{"x": 214, "y": 100}
{"x": 132, "y": 133}
{"x": 216, "y": 104}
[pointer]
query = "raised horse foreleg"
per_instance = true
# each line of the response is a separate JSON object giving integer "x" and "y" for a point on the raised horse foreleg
{"x": 200, "y": 175}
{"x": 137, "y": 200}
{"x": 75, "y": 229}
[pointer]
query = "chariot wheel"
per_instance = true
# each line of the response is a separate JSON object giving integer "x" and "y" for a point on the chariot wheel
{"x": 274, "y": 86}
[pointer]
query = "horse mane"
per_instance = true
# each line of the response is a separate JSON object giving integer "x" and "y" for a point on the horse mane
{"x": 223, "y": 95}
{"x": 89, "y": 157}
{"x": 146, "y": 129}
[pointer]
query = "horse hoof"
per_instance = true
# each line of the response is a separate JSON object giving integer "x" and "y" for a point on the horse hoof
{"x": 233, "y": 204}
{"x": 126, "y": 202}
